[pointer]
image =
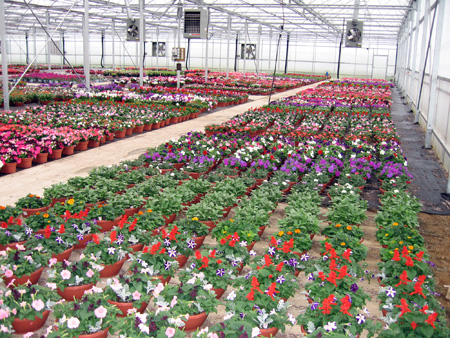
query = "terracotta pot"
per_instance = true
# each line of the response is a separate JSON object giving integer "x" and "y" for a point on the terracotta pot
{"x": 99, "y": 334}
{"x": 82, "y": 145}
{"x": 68, "y": 150}
{"x": 25, "y": 163}
{"x": 194, "y": 322}
{"x": 33, "y": 278}
{"x": 162, "y": 279}
{"x": 148, "y": 127}
{"x": 182, "y": 259}
{"x": 226, "y": 211}
{"x": 11, "y": 245}
{"x": 178, "y": 165}
{"x": 138, "y": 129}
{"x": 74, "y": 292}
{"x": 112, "y": 270}
{"x": 173, "y": 120}
{"x": 199, "y": 241}
{"x": 194, "y": 175}
{"x": 56, "y": 154}
{"x": 57, "y": 200}
{"x": 82, "y": 244}
{"x": 156, "y": 125}
{"x": 29, "y": 212}
{"x": 103, "y": 139}
{"x": 219, "y": 292}
{"x": 124, "y": 307}
{"x": 299, "y": 254}
{"x": 63, "y": 255}
{"x": 131, "y": 211}
{"x": 261, "y": 230}
{"x": 169, "y": 219}
{"x": 250, "y": 246}
{"x": 110, "y": 137}
{"x": 21, "y": 326}
{"x": 129, "y": 131}
{"x": 136, "y": 247}
{"x": 271, "y": 332}
{"x": 210, "y": 224}
{"x": 119, "y": 134}
{"x": 165, "y": 171}
{"x": 9, "y": 168}
{"x": 108, "y": 225}
{"x": 157, "y": 231}
{"x": 93, "y": 144}
{"x": 311, "y": 236}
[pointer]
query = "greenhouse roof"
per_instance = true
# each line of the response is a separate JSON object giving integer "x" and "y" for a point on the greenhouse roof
{"x": 304, "y": 20}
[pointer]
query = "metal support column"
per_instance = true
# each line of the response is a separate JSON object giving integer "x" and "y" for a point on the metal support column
{"x": 206, "y": 60}
{"x": 48, "y": 44}
{"x": 4, "y": 56}
{"x": 113, "y": 45}
{"x": 236, "y": 52}
{"x": 245, "y": 47}
{"x": 434, "y": 73}
{"x": 157, "y": 45}
{"x": 409, "y": 79}
{"x": 141, "y": 42}
{"x": 414, "y": 52}
{"x": 258, "y": 48}
{"x": 270, "y": 49}
{"x": 228, "y": 45}
{"x": 180, "y": 15}
{"x": 62, "y": 50}
{"x": 423, "y": 52}
{"x": 27, "y": 59}
{"x": 34, "y": 46}
{"x": 86, "y": 56}
{"x": 287, "y": 53}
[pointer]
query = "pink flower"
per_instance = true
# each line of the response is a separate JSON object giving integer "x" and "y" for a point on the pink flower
{"x": 89, "y": 273}
{"x": 170, "y": 332}
{"x": 100, "y": 312}
{"x": 3, "y": 314}
{"x": 174, "y": 301}
{"x": 213, "y": 335}
{"x": 65, "y": 274}
{"x": 136, "y": 295}
{"x": 52, "y": 261}
{"x": 38, "y": 304}
{"x": 158, "y": 289}
{"x": 28, "y": 335}
{"x": 9, "y": 273}
{"x": 73, "y": 323}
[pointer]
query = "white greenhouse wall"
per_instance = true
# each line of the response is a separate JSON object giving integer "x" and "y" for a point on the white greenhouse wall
{"x": 409, "y": 75}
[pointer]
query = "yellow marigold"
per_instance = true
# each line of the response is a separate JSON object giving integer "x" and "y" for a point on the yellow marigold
{"x": 38, "y": 213}
{"x": 231, "y": 220}
{"x": 149, "y": 210}
{"x": 71, "y": 201}
{"x": 45, "y": 215}
{"x": 140, "y": 213}
{"x": 401, "y": 242}
{"x": 342, "y": 243}
{"x": 249, "y": 235}
{"x": 395, "y": 224}
{"x": 62, "y": 203}
{"x": 195, "y": 218}
{"x": 338, "y": 225}
{"x": 289, "y": 233}
{"x": 349, "y": 227}
{"x": 409, "y": 237}
{"x": 297, "y": 231}
{"x": 411, "y": 247}
{"x": 224, "y": 231}
{"x": 386, "y": 235}
{"x": 280, "y": 233}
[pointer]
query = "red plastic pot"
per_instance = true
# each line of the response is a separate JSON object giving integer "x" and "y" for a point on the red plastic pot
{"x": 170, "y": 219}
{"x": 124, "y": 307}
{"x": 74, "y": 292}
{"x": 199, "y": 241}
{"x": 112, "y": 270}
{"x": 63, "y": 255}
{"x": 108, "y": 225}
{"x": 182, "y": 259}
{"x": 41, "y": 158}
{"x": 210, "y": 224}
{"x": 194, "y": 322}
{"x": 82, "y": 244}
{"x": 33, "y": 278}
{"x": 21, "y": 326}
{"x": 56, "y": 154}
{"x": 219, "y": 292}
{"x": 25, "y": 163}
{"x": 99, "y": 334}
{"x": 68, "y": 150}
{"x": 29, "y": 212}
{"x": 271, "y": 332}
{"x": 82, "y": 145}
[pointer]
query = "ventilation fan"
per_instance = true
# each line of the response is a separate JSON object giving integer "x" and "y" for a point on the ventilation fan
{"x": 248, "y": 51}
{"x": 159, "y": 49}
{"x": 354, "y": 33}
{"x": 132, "y": 29}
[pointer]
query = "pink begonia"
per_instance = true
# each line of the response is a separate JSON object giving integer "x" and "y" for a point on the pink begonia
{"x": 14, "y": 311}
{"x": 9, "y": 273}
{"x": 38, "y": 304}
{"x": 170, "y": 332}
{"x": 3, "y": 328}
{"x": 73, "y": 323}
{"x": 174, "y": 301}
{"x": 100, "y": 312}
{"x": 89, "y": 273}
{"x": 136, "y": 295}
{"x": 3, "y": 314}
{"x": 65, "y": 274}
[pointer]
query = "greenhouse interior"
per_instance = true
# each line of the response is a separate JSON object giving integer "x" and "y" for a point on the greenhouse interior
{"x": 224, "y": 169}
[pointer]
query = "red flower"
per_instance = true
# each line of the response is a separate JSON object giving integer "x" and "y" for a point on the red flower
{"x": 418, "y": 286}
{"x": 396, "y": 256}
{"x": 413, "y": 325}
{"x": 62, "y": 229}
{"x": 280, "y": 266}
{"x": 326, "y": 304}
{"x": 346, "y": 305}
{"x": 113, "y": 236}
{"x": 47, "y": 232}
{"x": 431, "y": 319}
{"x": 198, "y": 255}
{"x": 404, "y": 307}
{"x": 223, "y": 241}
{"x": 403, "y": 279}
{"x": 271, "y": 291}
{"x": 95, "y": 239}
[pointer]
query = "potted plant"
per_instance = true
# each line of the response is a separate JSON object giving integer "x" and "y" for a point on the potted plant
{"x": 207, "y": 212}
{"x": 39, "y": 221}
{"x": 91, "y": 316}
{"x": 6, "y": 212}
{"x": 31, "y": 204}
{"x": 20, "y": 265}
{"x": 149, "y": 221}
{"x": 109, "y": 253}
{"x": 30, "y": 305}
{"x": 106, "y": 215}
{"x": 55, "y": 241}
{"x": 12, "y": 232}
{"x": 72, "y": 279}
{"x": 193, "y": 298}
{"x": 194, "y": 229}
